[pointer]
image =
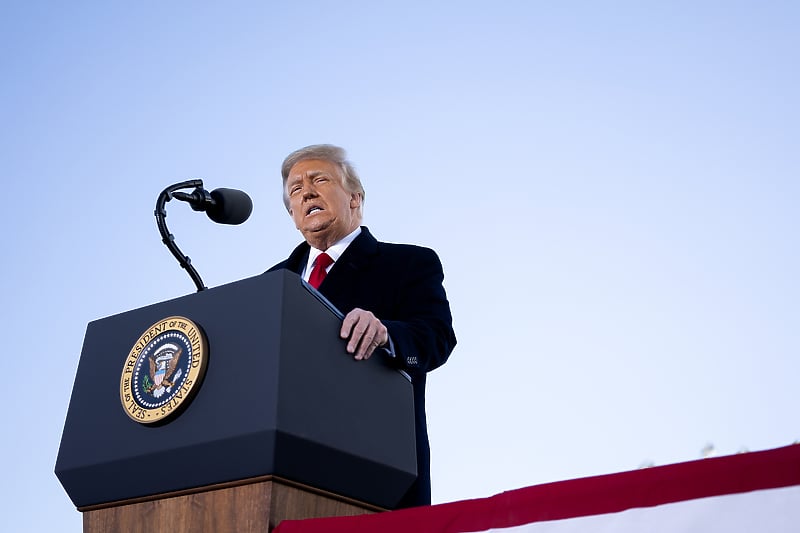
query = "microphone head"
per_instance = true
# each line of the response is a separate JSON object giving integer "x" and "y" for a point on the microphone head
{"x": 231, "y": 206}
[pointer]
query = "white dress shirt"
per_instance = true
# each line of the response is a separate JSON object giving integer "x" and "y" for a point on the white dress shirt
{"x": 335, "y": 252}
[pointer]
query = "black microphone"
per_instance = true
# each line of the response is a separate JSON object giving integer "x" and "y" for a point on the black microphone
{"x": 223, "y": 206}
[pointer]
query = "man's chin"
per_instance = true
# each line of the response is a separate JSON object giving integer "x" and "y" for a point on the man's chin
{"x": 316, "y": 234}
{"x": 316, "y": 229}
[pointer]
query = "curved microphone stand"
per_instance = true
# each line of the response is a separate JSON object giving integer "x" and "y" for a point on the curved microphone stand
{"x": 167, "y": 238}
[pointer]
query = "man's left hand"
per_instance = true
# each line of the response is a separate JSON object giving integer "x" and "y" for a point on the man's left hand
{"x": 365, "y": 333}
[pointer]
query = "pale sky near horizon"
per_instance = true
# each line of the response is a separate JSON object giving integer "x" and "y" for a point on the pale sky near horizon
{"x": 611, "y": 186}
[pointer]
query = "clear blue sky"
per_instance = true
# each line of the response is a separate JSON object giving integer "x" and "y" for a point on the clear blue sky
{"x": 612, "y": 188}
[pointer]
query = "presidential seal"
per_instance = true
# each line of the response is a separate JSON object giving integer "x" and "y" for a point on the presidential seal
{"x": 163, "y": 370}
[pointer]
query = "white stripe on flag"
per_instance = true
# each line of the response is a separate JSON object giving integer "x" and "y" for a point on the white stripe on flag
{"x": 763, "y": 511}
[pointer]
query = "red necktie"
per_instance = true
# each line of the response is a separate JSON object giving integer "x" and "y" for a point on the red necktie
{"x": 320, "y": 270}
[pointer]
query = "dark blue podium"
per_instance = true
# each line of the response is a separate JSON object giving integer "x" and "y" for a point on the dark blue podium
{"x": 281, "y": 402}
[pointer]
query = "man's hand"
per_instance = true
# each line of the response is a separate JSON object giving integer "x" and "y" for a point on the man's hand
{"x": 365, "y": 333}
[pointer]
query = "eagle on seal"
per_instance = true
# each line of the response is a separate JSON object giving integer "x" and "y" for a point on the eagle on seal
{"x": 163, "y": 364}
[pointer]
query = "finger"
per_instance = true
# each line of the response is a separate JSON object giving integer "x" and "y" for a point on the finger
{"x": 373, "y": 345}
{"x": 376, "y": 336}
{"x": 347, "y": 324}
{"x": 360, "y": 330}
{"x": 353, "y": 327}
{"x": 367, "y": 345}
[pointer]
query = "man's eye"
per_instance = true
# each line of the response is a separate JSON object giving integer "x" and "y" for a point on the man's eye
{"x": 294, "y": 190}
{"x": 321, "y": 179}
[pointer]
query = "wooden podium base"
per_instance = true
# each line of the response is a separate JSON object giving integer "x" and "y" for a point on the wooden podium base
{"x": 255, "y": 505}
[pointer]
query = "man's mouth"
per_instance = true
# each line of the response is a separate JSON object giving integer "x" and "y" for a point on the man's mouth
{"x": 312, "y": 210}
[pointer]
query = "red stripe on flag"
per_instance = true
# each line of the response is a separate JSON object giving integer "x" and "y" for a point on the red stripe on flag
{"x": 580, "y": 497}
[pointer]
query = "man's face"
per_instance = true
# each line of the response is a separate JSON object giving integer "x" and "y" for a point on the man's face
{"x": 322, "y": 208}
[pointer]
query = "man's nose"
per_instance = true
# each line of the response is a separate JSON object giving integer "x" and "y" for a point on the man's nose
{"x": 309, "y": 191}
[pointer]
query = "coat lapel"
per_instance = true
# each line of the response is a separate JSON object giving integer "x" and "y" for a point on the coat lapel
{"x": 297, "y": 259}
{"x": 353, "y": 265}
{"x": 352, "y": 271}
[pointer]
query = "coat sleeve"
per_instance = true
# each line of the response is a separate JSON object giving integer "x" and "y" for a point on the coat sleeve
{"x": 421, "y": 330}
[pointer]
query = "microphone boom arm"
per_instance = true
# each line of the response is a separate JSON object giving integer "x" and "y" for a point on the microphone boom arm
{"x": 167, "y": 238}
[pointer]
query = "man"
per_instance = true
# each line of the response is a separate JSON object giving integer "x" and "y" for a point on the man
{"x": 391, "y": 294}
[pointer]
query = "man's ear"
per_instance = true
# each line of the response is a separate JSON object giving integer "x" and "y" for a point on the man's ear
{"x": 355, "y": 200}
